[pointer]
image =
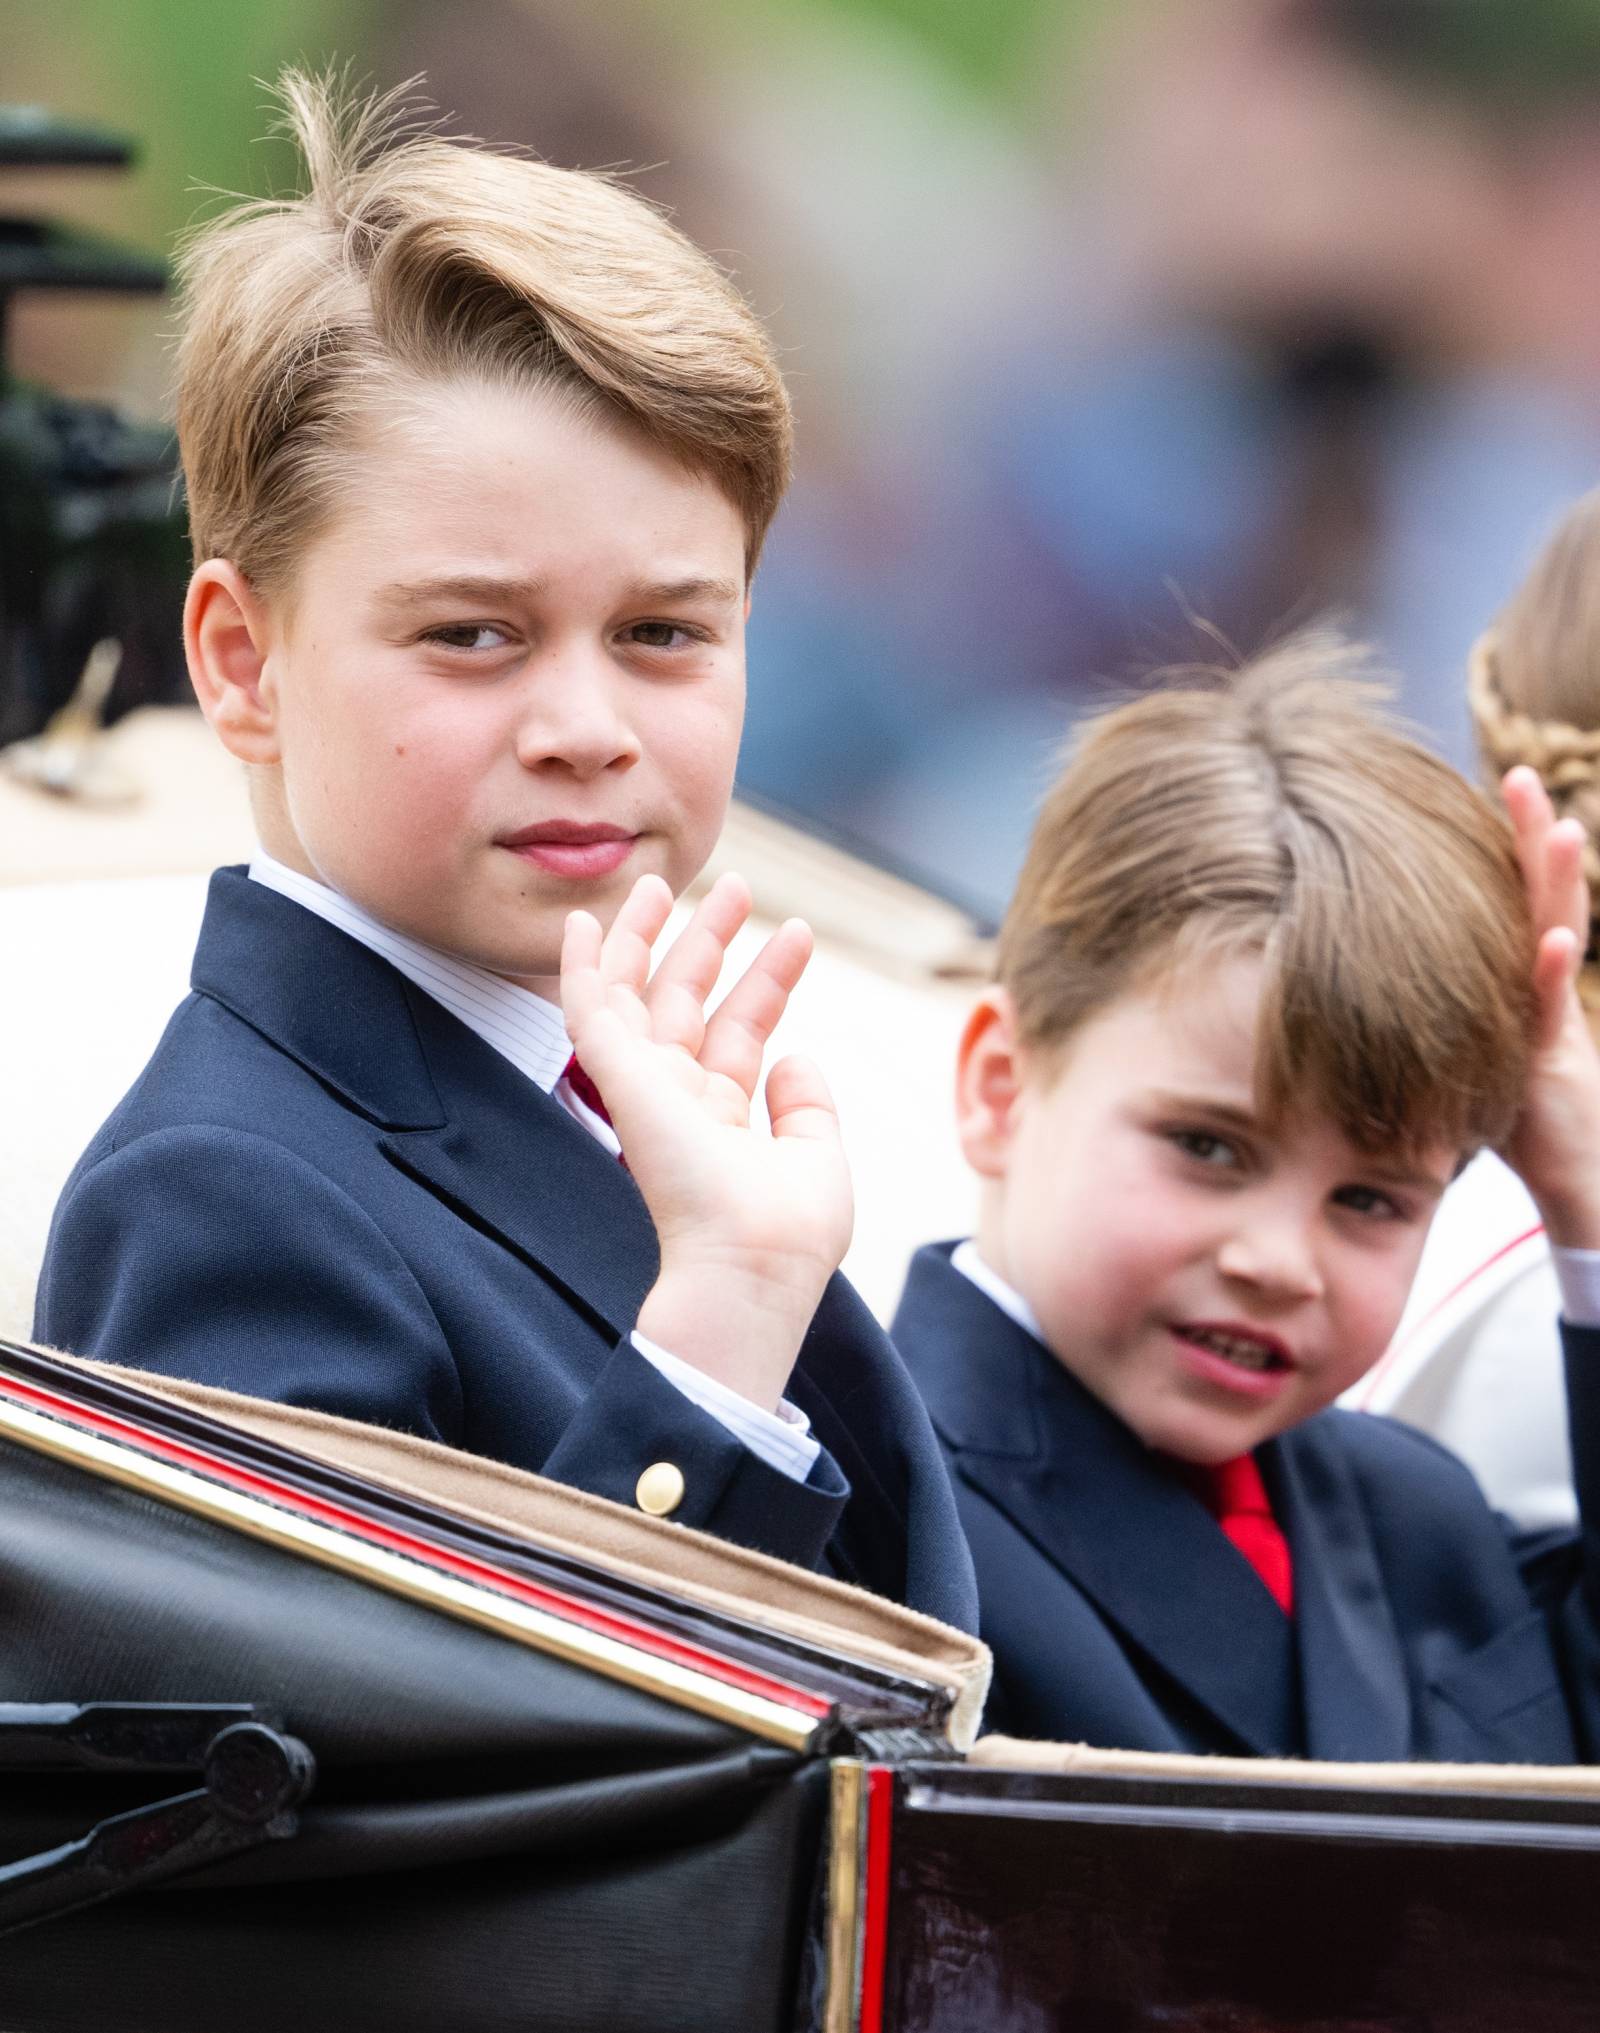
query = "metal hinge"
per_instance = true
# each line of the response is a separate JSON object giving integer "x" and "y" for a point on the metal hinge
{"x": 253, "y": 1776}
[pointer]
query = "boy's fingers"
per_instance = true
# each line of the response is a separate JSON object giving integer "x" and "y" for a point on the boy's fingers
{"x": 1532, "y": 821}
{"x": 745, "y": 1019}
{"x": 610, "y": 1056}
{"x": 625, "y": 951}
{"x": 1526, "y": 798}
{"x": 1555, "y": 968}
{"x": 694, "y": 959}
{"x": 678, "y": 990}
{"x": 798, "y": 1101}
{"x": 1522, "y": 793}
{"x": 1566, "y": 897}
{"x": 582, "y": 988}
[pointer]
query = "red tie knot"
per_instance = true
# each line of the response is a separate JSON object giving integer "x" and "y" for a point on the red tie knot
{"x": 1238, "y": 1491}
{"x": 584, "y": 1088}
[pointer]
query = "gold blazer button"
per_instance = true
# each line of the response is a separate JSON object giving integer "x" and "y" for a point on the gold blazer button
{"x": 660, "y": 1489}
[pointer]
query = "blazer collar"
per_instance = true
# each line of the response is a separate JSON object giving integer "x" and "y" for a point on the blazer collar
{"x": 1109, "y": 1513}
{"x": 457, "y": 1117}
{"x": 317, "y": 994}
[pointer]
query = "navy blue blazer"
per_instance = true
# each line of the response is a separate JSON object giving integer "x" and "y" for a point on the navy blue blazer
{"x": 1120, "y": 1614}
{"x": 327, "y": 1190}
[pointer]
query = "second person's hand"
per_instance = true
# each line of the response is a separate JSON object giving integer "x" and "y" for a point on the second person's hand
{"x": 1555, "y": 1143}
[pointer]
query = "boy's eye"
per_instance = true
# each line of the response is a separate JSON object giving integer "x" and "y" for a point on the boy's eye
{"x": 479, "y": 635}
{"x": 1370, "y": 1201}
{"x": 1204, "y": 1147}
{"x": 661, "y": 634}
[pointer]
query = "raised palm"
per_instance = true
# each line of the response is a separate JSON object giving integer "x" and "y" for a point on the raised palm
{"x": 751, "y": 1225}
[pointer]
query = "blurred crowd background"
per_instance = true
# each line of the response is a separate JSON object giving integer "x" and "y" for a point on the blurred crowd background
{"x": 1117, "y": 329}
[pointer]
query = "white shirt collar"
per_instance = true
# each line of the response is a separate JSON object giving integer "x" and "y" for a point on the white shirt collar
{"x": 965, "y": 1259}
{"x": 521, "y": 1026}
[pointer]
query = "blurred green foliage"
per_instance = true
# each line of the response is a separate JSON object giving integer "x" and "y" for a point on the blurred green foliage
{"x": 992, "y": 43}
{"x": 186, "y": 75}
{"x": 993, "y": 46}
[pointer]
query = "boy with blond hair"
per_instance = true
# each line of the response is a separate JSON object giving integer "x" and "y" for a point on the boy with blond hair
{"x": 480, "y": 455}
{"x": 1271, "y": 973}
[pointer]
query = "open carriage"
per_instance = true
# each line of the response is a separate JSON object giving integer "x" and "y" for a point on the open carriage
{"x": 307, "y": 1724}
{"x": 303, "y": 1723}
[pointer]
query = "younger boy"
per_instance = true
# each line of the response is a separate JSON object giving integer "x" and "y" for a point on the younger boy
{"x": 1269, "y": 976}
{"x": 480, "y": 455}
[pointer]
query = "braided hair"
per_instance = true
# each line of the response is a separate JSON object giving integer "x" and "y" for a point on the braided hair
{"x": 1533, "y": 683}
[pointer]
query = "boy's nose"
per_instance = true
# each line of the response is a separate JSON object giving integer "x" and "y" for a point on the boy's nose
{"x": 571, "y": 717}
{"x": 1273, "y": 1256}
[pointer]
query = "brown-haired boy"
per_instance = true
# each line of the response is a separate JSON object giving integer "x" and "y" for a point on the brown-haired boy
{"x": 1270, "y": 974}
{"x": 480, "y": 457}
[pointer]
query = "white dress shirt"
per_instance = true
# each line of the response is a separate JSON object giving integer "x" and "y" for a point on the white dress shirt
{"x": 529, "y": 1032}
{"x": 1578, "y": 1275}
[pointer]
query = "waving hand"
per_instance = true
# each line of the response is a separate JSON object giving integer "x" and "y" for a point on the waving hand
{"x": 751, "y": 1225}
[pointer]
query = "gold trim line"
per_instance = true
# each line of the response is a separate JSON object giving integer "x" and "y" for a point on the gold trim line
{"x": 464, "y": 1600}
{"x": 847, "y": 1807}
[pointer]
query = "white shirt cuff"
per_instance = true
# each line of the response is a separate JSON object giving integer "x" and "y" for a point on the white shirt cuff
{"x": 1578, "y": 1275}
{"x": 783, "y": 1439}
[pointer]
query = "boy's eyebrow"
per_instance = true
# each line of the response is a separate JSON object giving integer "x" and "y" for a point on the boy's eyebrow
{"x": 1386, "y": 1173}
{"x": 489, "y": 588}
{"x": 485, "y": 586}
{"x": 1206, "y": 1104}
{"x": 1417, "y": 1180}
{"x": 669, "y": 591}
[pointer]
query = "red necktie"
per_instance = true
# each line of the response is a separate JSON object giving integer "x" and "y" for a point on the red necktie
{"x": 585, "y": 1089}
{"x": 1238, "y": 1498}
{"x": 589, "y": 1095}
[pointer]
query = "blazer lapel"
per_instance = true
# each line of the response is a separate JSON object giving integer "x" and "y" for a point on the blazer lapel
{"x": 1110, "y": 1514}
{"x": 318, "y": 995}
{"x": 456, "y": 1116}
{"x": 1352, "y": 1667}
{"x": 512, "y": 1161}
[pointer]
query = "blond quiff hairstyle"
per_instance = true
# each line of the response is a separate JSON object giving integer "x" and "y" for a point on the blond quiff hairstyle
{"x": 411, "y": 259}
{"x": 1276, "y": 810}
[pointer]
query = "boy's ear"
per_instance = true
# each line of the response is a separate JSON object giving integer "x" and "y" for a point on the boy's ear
{"x": 226, "y": 635}
{"x": 988, "y": 1080}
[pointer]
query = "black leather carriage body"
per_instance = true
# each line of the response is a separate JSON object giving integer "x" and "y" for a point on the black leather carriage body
{"x": 515, "y": 1786}
{"x": 305, "y": 1726}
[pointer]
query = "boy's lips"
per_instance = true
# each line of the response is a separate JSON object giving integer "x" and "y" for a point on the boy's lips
{"x": 571, "y": 848}
{"x": 1243, "y": 1359}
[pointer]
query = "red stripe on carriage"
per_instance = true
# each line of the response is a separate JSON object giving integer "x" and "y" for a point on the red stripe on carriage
{"x": 875, "y": 1901}
{"x": 569, "y": 1608}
